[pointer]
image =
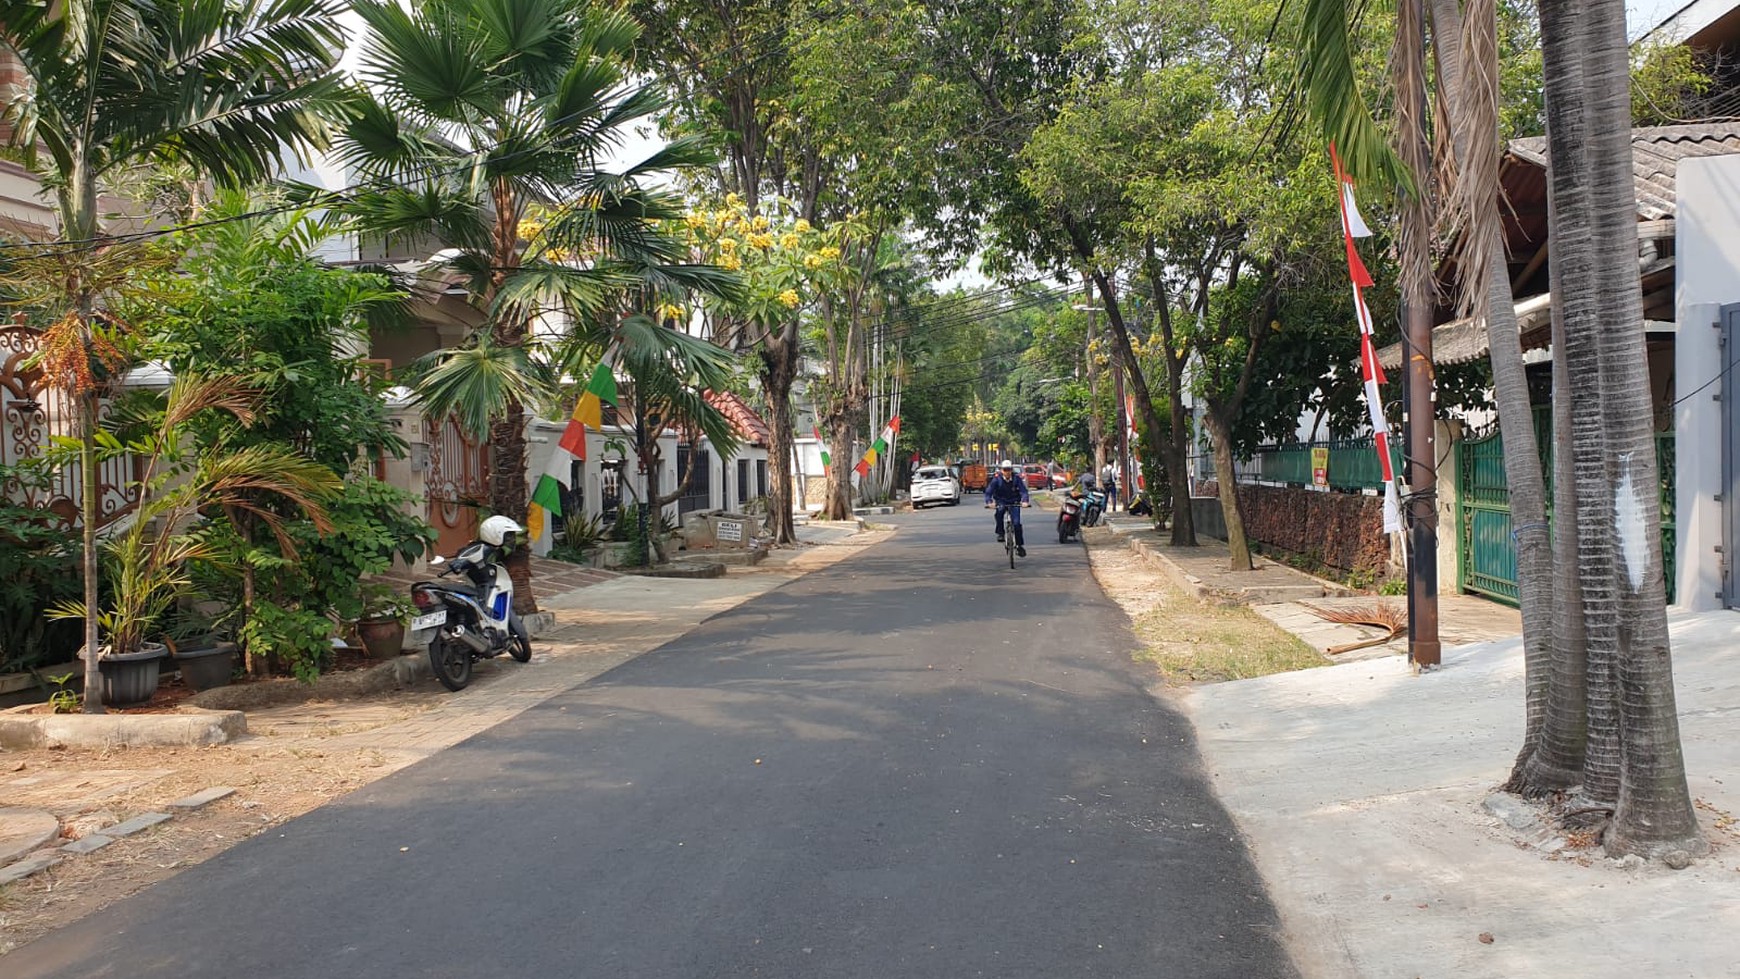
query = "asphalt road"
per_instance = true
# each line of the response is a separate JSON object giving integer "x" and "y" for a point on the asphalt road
{"x": 916, "y": 763}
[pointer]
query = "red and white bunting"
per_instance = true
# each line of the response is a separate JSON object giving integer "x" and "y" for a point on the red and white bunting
{"x": 1353, "y": 226}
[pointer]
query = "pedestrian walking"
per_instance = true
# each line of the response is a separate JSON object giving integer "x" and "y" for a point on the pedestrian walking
{"x": 1109, "y": 481}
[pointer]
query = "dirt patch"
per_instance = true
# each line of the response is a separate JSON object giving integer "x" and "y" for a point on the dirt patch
{"x": 1191, "y": 640}
{"x": 272, "y": 785}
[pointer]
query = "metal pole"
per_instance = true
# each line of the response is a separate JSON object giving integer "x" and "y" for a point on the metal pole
{"x": 1421, "y": 444}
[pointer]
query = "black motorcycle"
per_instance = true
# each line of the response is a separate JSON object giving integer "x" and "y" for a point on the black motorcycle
{"x": 470, "y": 619}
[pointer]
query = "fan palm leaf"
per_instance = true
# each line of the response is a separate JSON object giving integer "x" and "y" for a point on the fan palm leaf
{"x": 476, "y": 384}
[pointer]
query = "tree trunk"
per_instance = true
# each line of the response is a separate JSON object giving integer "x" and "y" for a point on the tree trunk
{"x": 778, "y": 371}
{"x": 1522, "y": 459}
{"x": 1238, "y": 548}
{"x": 508, "y": 495}
{"x": 88, "y": 509}
{"x": 1557, "y": 760}
{"x": 1653, "y": 815}
{"x": 1176, "y": 449}
{"x": 1096, "y": 426}
{"x": 841, "y": 440}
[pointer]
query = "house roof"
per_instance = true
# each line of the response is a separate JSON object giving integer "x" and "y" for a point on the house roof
{"x": 750, "y": 425}
{"x": 1656, "y": 153}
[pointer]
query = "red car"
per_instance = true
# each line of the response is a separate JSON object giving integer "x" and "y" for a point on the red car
{"x": 1036, "y": 476}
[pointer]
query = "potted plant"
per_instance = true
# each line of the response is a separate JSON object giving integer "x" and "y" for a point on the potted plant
{"x": 203, "y": 656}
{"x": 382, "y": 624}
{"x": 148, "y": 563}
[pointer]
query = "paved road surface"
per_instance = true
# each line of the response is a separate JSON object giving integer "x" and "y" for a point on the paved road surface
{"x": 913, "y": 764}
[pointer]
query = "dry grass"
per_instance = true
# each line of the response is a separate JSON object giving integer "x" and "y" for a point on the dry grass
{"x": 1190, "y": 640}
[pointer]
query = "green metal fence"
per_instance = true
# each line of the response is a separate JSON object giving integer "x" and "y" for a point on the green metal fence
{"x": 1486, "y": 555}
{"x": 1353, "y": 463}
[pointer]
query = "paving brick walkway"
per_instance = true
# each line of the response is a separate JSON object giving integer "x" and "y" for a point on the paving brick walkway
{"x": 549, "y": 577}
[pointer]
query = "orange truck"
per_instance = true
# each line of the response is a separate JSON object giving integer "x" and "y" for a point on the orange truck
{"x": 973, "y": 476}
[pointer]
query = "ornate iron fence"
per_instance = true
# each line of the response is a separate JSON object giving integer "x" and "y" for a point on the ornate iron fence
{"x": 32, "y": 414}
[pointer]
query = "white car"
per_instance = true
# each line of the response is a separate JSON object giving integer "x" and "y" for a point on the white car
{"x": 934, "y": 484}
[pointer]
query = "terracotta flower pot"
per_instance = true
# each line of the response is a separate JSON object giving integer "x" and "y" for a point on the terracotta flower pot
{"x": 383, "y": 638}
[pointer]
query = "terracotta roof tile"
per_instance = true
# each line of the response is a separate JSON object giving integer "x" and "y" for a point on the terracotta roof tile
{"x": 750, "y": 426}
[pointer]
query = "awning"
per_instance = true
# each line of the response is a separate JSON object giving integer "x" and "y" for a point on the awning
{"x": 1463, "y": 340}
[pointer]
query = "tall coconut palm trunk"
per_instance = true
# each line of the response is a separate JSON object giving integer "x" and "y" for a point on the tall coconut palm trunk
{"x": 1630, "y": 672}
{"x": 1470, "y": 84}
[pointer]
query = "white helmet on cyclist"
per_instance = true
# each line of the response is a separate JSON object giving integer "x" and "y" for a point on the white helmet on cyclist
{"x": 1006, "y": 464}
{"x": 497, "y": 529}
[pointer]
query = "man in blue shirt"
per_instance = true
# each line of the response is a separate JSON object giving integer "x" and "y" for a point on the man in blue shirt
{"x": 1007, "y": 492}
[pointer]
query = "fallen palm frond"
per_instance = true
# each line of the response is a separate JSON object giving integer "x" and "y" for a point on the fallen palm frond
{"x": 1379, "y": 615}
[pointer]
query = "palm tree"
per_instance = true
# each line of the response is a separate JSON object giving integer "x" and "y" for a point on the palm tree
{"x": 1484, "y": 282}
{"x": 1634, "y": 726}
{"x": 488, "y": 123}
{"x": 109, "y": 85}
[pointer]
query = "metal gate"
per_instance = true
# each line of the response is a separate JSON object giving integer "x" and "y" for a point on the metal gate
{"x": 31, "y": 415}
{"x": 700, "y": 492}
{"x": 457, "y": 484}
{"x": 1486, "y": 552}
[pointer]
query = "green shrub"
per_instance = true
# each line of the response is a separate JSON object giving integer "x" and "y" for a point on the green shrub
{"x": 39, "y": 568}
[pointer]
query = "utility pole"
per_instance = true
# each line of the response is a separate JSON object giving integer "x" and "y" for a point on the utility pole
{"x": 1419, "y": 395}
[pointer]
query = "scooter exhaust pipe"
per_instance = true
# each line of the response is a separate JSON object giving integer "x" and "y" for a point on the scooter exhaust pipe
{"x": 476, "y": 642}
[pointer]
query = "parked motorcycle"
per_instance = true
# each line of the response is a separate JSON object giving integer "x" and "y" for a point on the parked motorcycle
{"x": 1093, "y": 508}
{"x": 1069, "y": 519}
{"x": 464, "y": 621}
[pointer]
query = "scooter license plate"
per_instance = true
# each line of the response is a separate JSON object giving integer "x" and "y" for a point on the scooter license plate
{"x": 430, "y": 621}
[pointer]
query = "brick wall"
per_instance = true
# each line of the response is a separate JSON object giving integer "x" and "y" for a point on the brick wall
{"x": 1342, "y": 531}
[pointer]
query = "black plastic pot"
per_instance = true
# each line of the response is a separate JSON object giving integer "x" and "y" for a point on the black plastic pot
{"x": 131, "y": 678}
{"x": 207, "y": 667}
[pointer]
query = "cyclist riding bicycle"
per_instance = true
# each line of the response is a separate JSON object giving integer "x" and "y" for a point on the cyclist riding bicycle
{"x": 1008, "y": 492}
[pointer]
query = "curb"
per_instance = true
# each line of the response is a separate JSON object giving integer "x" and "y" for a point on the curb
{"x": 674, "y": 570}
{"x": 1180, "y": 577}
{"x": 396, "y": 673}
{"x": 203, "y": 727}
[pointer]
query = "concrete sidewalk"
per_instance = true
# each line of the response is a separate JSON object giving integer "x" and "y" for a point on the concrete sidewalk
{"x": 1362, "y": 790}
{"x": 1287, "y": 596}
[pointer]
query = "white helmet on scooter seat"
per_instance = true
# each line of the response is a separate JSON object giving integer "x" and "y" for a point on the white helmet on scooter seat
{"x": 497, "y": 529}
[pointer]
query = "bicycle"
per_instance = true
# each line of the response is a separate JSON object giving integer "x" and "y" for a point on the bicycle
{"x": 1012, "y": 520}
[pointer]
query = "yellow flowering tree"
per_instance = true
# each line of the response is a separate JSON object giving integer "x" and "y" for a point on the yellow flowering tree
{"x": 780, "y": 261}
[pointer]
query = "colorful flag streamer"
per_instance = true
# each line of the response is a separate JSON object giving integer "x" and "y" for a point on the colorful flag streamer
{"x": 880, "y": 446}
{"x": 1353, "y": 226}
{"x": 588, "y": 413}
{"x": 823, "y": 446}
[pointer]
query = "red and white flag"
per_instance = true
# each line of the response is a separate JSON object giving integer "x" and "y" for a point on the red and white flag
{"x": 1353, "y": 226}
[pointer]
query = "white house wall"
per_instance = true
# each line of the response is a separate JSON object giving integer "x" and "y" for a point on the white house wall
{"x": 1708, "y": 248}
{"x": 542, "y": 436}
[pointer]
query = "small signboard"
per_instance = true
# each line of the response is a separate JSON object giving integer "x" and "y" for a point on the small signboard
{"x": 1320, "y": 467}
{"x": 731, "y": 530}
